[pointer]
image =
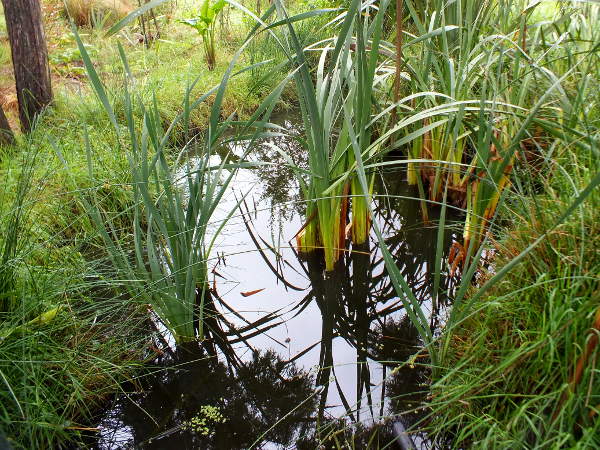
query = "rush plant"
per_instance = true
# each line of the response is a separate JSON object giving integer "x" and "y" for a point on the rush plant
{"x": 165, "y": 261}
{"x": 345, "y": 76}
{"x": 460, "y": 57}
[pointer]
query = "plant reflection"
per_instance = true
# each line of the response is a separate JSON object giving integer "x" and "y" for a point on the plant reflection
{"x": 270, "y": 401}
{"x": 264, "y": 395}
{"x": 358, "y": 304}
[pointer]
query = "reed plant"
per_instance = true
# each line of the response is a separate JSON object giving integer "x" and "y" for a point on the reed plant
{"x": 496, "y": 125}
{"x": 547, "y": 109}
{"x": 459, "y": 57}
{"x": 165, "y": 262}
{"x": 345, "y": 75}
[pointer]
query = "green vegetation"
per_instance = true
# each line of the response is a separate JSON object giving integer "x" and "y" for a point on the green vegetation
{"x": 515, "y": 364}
{"x": 509, "y": 373}
{"x": 62, "y": 333}
{"x": 172, "y": 211}
{"x": 204, "y": 22}
{"x": 341, "y": 93}
{"x": 496, "y": 114}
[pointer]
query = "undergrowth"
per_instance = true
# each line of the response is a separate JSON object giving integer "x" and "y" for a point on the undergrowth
{"x": 508, "y": 379}
{"x": 66, "y": 338}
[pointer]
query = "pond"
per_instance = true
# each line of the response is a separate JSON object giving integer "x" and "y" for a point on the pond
{"x": 294, "y": 357}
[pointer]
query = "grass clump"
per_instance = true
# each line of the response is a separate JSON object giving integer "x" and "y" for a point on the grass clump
{"x": 336, "y": 110}
{"x": 521, "y": 371}
{"x": 62, "y": 348}
{"x": 56, "y": 372}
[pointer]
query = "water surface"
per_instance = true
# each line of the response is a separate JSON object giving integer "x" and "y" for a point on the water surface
{"x": 292, "y": 355}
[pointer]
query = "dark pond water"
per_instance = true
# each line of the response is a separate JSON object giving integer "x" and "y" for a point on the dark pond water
{"x": 312, "y": 360}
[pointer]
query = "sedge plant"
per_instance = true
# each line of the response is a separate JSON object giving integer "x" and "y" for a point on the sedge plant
{"x": 345, "y": 74}
{"x": 165, "y": 262}
{"x": 460, "y": 56}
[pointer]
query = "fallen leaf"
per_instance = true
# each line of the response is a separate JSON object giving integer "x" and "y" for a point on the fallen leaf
{"x": 249, "y": 293}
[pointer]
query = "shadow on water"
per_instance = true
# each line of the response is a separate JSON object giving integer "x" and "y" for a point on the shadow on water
{"x": 196, "y": 401}
{"x": 294, "y": 357}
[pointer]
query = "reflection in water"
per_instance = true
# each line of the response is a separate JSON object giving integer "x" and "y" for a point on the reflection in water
{"x": 358, "y": 304}
{"x": 310, "y": 359}
{"x": 198, "y": 402}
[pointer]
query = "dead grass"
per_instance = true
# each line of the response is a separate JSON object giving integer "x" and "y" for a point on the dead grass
{"x": 86, "y": 12}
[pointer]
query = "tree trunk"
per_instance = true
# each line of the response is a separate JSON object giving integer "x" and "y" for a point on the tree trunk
{"x": 6, "y": 134}
{"x": 30, "y": 58}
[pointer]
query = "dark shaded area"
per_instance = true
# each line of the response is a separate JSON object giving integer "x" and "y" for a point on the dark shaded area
{"x": 195, "y": 401}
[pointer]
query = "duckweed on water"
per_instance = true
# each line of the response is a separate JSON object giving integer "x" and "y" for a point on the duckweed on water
{"x": 205, "y": 421}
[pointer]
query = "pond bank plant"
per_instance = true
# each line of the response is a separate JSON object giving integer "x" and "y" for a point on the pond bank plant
{"x": 174, "y": 202}
{"x": 514, "y": 365}
{"x": 204, "y": 22}
{"x": 66, "y": 339}
{"x": 346, "y": 74}
{"x": 520, "y": 368}
{"x": 462, "y": 56}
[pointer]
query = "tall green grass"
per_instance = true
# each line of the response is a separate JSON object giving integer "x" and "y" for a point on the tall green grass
{"x": 514, "y": 342}
{"x": 345, "y": 75}
{"x": 66, "y": 339}
{"x": 165, "y": 264}
{"x": 507, "y": 378}
{"x": 14, "y": 223}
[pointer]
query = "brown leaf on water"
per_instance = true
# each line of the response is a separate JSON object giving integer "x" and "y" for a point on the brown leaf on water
{"x": 249, "y": 293}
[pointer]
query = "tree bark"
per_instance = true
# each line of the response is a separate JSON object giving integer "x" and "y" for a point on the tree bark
{"x": 30, "y": 58}
{"x": 6, "y": 135}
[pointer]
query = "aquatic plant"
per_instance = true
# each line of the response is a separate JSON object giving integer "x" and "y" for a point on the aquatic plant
{"x": 345, "y": 76}
{"x": 166, "y": 262}
{"x": 496, "y": 124}
{"x": 204, "y": 23}
{"x": 539, "y": 127}
{"x": 459, "y": 57}
{"x": 203, "y": 422}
